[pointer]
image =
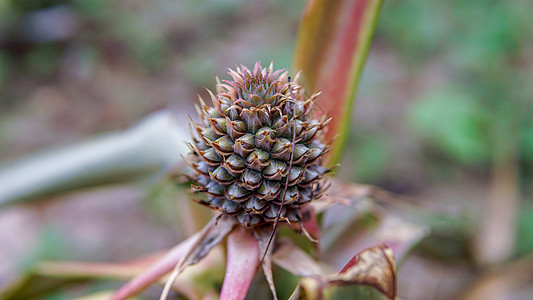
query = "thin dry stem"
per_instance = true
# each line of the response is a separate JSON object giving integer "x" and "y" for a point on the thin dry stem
{"x": 293, "y": 145}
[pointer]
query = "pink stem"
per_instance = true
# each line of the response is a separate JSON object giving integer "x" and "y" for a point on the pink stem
{"x": 156, "y": 271}
{"x": 242, "y": 262}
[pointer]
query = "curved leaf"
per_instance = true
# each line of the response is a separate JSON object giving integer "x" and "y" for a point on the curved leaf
{"x": 372, "y": 267}
{"x": 184, "y": 254}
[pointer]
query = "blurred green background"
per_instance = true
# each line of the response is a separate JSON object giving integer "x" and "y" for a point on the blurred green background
{"x": 443, "y": 112}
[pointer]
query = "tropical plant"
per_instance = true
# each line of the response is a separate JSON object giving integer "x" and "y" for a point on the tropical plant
{"x": 332, "y": 46}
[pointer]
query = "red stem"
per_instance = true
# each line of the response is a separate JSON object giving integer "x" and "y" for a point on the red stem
{"x": 242, "y": 262}
{"x": 155, "y": 272}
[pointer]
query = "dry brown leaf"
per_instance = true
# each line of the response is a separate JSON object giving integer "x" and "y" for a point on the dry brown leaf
{"x": 210, "y": 236}
{"x": 186, "y": 253}
{"x": 371, "y": 267}
{"x": 374, "y": 267}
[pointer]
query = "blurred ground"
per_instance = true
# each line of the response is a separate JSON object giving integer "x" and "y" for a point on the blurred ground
{"x": 443, "y": 112}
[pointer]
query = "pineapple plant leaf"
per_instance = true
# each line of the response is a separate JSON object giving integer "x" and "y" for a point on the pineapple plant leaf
{"x": 373, "y": 267}
{"x": 331, "y": 50}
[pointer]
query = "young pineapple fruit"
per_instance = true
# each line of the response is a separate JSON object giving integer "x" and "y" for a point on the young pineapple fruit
{"x": 243, "y": 145}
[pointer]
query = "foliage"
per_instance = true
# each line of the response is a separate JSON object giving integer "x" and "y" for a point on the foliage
{"x": 443, "y": 114}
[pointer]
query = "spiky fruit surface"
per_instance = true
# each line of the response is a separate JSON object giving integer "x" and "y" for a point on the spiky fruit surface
{"x": 243, "y": 145}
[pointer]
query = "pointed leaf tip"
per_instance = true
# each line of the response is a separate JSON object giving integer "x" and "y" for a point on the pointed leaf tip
{"x": 374, "y": 267}
{"x": 331, "y": 48}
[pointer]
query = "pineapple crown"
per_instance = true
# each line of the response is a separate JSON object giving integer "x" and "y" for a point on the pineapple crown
{"x": 257, "y": 151}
